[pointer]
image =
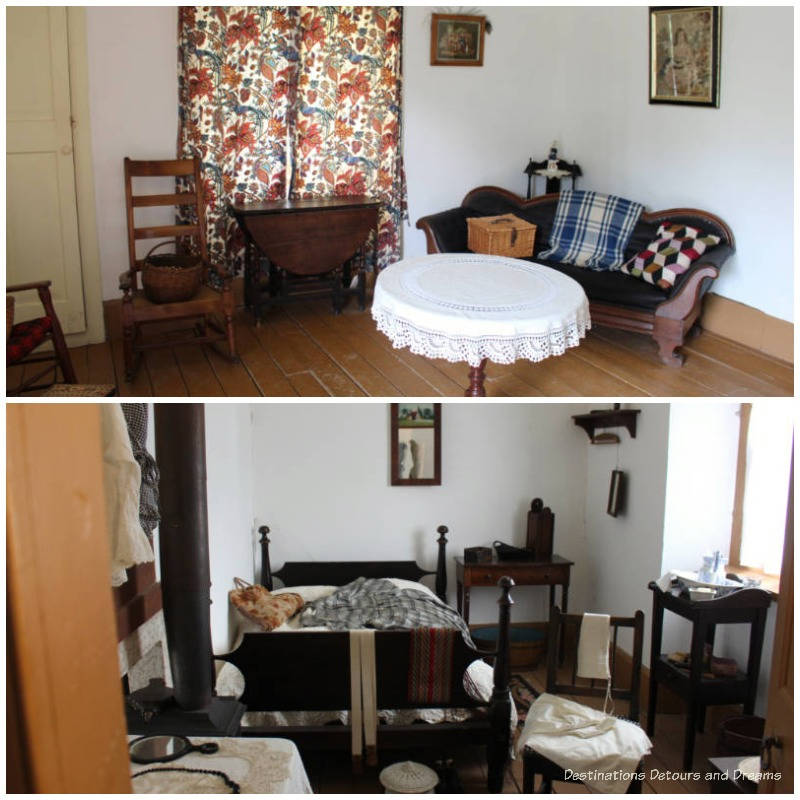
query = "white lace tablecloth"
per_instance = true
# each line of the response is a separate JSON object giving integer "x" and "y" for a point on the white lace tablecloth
{"x": 264, "y": 766}
{"x": 469, "y": 306}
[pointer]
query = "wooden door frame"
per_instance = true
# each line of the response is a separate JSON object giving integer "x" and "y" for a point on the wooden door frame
{"x": 66, "y": 726}
{"x": 84, "y": 181}
{"x": 780, "y": 699}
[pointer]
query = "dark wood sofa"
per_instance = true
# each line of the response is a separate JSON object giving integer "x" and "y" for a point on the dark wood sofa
{"x": 616, "y": 299}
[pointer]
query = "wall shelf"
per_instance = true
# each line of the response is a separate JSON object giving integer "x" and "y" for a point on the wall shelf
{"x": 608, "y": 418}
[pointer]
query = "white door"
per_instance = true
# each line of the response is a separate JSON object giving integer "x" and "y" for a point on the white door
{"x": 41, "y": 208}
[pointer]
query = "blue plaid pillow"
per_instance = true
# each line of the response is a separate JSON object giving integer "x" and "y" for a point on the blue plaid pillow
{"x": 592, "y": 230}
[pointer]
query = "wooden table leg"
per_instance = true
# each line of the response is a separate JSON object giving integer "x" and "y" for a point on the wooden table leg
{"x": 476, "y": 377}
{"x": 655, "y": 654}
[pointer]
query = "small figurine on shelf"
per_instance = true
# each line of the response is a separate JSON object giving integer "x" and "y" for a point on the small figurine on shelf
{"x": 553, "y": 169}
{"x": 552, "y": 159}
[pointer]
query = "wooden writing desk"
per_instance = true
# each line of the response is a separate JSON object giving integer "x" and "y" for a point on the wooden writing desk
{"x": 552, "y": 573}
{"x": 311, "y": 246}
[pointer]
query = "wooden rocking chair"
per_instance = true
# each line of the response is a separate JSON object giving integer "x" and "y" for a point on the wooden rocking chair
{"x": 210, "y": 301}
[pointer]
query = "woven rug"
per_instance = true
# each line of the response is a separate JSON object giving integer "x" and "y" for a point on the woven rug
{"x": 523, "y": 694}
{"x": 80, "y": 390}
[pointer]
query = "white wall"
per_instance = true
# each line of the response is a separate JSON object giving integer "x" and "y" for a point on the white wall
{"x": 321, "y": 476}
{"x": 230, "y": 502}
{"x": 318, "y": 475}
{"x": 579, "y": 75}
{"x": 575, "y": 74}
{"x": 133, "y": 101}
{"x": 701, "y": 482}
{"x": 700, "y": 488}
{"x": 625, "y": 551}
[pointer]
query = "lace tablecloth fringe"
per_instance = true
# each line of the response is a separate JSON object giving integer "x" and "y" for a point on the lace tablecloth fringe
{"x": 474, "y": 349}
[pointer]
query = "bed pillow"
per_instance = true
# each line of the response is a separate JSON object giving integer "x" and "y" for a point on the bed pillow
{"x": 591, "y": 230}
{"x": 402, "y": 583}
{"x": 308, "y": 593}
{"x": 671, "y": 254}
{"x": 268, "y": 610}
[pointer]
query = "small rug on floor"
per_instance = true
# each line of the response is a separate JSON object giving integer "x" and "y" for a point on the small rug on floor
{"x": 523, "y": 694}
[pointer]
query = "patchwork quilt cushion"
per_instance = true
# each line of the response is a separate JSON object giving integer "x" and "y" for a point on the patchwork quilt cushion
{"x": 670, "y": 255}
{"x": 25, "y": 336}
{"x": 591, "y": 230}
{"x": 268, "y": 610}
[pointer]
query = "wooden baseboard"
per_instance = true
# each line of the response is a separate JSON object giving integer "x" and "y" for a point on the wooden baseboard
{"x": 748, "y": 326}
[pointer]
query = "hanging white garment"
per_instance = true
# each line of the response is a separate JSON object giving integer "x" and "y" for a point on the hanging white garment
{"x": 122, "y": 482}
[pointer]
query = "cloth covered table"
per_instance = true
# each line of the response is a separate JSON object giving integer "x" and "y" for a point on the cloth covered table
{"x": 264, "y": 766}
{"x": 473, "y": 307}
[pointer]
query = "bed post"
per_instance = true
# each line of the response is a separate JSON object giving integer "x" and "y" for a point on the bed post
{"x": 266, "y": 570}
{"x": 441, "y": 565}
{"x": 500, "y": 706}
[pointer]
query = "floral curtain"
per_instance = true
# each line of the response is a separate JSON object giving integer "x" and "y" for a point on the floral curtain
{"x": 298, "y": 101}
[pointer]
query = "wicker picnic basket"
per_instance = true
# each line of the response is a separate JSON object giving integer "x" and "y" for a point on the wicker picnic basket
{"x": 506, "y": 235}
{"x": 172, "y": 277}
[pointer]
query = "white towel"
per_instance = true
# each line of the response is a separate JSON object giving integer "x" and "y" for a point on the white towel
{"x": 586, "y": 741}
{"x": 356, "y": 715}
{"x": 593, "y": 647}
{"x": 363, "y": 694}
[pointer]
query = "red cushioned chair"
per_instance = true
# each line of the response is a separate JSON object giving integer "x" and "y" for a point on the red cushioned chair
{"x": 25, "y": 337}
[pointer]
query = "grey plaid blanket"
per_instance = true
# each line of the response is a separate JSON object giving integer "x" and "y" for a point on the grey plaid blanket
{"x": 378, "y": 603}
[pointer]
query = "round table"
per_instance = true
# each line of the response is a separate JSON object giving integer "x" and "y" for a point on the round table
{"x": 478, "y": 308}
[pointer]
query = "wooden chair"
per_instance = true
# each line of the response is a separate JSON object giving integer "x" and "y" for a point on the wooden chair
{"x": 562, "y": 634}
{"x": 137, "y": 310}
{"x": 26, "y": 337}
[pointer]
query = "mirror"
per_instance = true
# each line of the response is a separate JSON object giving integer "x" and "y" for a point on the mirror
{"x": 150, "y": 749}
{"x": 416, "y": 433}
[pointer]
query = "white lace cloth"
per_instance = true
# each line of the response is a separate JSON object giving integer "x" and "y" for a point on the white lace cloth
{"x": 263, "y": 766}
{"x": 469, "y": 306}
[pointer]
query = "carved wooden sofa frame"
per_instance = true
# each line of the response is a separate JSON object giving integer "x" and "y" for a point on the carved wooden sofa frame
{"x": 669, "y": 320}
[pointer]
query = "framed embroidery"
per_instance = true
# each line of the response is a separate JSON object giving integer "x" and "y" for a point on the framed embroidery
{"x": 684, "y": 55}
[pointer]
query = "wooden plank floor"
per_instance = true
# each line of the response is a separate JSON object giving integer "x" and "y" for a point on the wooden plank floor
{"x": 304, "y": 350}
{"x": 331, "y": 773}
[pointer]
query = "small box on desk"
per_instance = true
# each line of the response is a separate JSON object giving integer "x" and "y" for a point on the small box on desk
{"x": 477, "y": 555}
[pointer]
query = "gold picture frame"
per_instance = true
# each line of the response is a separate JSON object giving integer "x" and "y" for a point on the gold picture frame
{"x": 457, "y": 40}
{"x": 685, "y": 55}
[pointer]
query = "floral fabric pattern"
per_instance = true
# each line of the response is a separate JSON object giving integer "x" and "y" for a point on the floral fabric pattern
{"x": 294, "y": 101}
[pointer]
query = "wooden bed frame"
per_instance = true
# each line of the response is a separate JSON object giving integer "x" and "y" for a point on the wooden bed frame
{"x": 280, "y": 675}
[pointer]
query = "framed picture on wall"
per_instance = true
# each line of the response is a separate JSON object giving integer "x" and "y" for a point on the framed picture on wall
{"x": 457, "y": 40}
{"x": 416, "y": 444}
{"x": 684, "y": 55}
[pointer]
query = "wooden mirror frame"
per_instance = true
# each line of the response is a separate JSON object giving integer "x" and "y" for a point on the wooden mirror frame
{"x": 396, "y": 480}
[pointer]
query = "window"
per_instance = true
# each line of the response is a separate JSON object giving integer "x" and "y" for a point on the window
{"x": 762, "y": 486}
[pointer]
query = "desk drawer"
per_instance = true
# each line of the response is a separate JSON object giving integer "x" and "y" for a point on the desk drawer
{"x": 524, "y": 575}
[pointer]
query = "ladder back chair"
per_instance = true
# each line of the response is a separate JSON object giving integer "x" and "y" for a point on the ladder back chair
{"x": 212, "y": 307}
{"x": 563, "y": 632}
{"x": 23, "y": 338}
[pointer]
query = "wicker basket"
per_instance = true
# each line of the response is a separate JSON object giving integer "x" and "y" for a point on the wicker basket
{"x": 506, "y": 235}
{"x": 171, "y": 278}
